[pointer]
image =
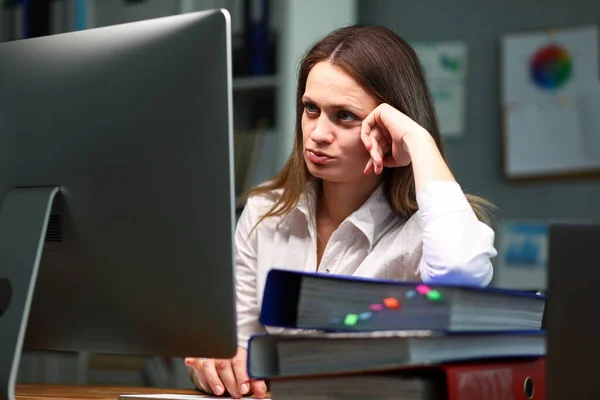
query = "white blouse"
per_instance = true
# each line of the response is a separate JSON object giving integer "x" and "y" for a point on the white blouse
{"x": 442, "y": 242}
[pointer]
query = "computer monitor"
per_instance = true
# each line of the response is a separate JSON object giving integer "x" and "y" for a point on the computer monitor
{"x": 116, "y": 178}
{"x": 572, "y": 340}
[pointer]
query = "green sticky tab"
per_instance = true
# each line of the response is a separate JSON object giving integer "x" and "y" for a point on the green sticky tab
{"x": 351, "y": 319}
{"x": 434, "y": 295}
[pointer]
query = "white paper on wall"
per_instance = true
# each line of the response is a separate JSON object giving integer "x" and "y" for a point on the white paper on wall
{"x": 445, "y": 65}
{"x": 551, "y": 102}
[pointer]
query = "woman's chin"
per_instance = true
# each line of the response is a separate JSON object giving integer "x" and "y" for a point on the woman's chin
{"x": 335, "y": 175}
{"x": 320, "y": 171}
{"x": 326, "y": 174}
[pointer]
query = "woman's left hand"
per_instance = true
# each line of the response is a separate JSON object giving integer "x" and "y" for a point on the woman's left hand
{"x": 384, "y": 132}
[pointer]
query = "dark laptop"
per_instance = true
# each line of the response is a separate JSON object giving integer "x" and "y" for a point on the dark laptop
{"x": 573, "y": 307}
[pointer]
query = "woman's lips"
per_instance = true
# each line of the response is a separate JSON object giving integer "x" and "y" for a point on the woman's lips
{"x": 318, "y": 157}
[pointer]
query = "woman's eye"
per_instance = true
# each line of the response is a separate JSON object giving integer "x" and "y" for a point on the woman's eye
{"x": 347, "y": 116}
{"x": 311, "y": 108}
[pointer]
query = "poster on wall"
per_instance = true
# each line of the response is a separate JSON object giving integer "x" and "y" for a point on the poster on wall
{"x": 445, "y": 65}
{"x": 522, "y": 259}
{"x": 550, "y": 101}
{"x": 524, "y": 245}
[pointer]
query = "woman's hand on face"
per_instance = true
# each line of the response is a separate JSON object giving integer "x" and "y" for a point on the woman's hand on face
{"x": 384, "y": 132}
{"x": 220, "y": 376}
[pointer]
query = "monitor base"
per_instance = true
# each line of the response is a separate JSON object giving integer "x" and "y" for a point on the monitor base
{"x": 24, "y": 219}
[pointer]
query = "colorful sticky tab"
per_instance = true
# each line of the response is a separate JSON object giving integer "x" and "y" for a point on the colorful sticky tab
{"x": 376, "y": 307}
{"x": 351, "y": 319}
{"x": 423, "y": 289}
{"x": 410, "y": 294}
{"x": 391, "y": 302}
{"x": 434, "y": 295}
{"x": 335, "y": 320}
{"x": 365, "y": 315}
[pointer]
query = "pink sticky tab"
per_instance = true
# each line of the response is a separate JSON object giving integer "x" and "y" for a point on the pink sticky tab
{"x": 423, "y": 289}
{"x": 376, "y": 307}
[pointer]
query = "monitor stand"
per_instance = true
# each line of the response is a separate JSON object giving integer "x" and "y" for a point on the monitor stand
{"x": 23, "y": 221}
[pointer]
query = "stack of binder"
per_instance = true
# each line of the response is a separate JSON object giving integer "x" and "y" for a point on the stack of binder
{"x": 350, "y": 338}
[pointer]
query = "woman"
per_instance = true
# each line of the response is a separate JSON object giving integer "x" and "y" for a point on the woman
{"x": 365, "y": 192}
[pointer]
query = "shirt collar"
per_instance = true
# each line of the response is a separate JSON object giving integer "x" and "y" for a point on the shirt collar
{"x": 369, "y": 218}
{"x": 307, "y": 204}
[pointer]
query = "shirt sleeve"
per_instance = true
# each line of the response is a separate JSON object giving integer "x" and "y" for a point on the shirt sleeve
{"x": 457, "y": 247}
{"x": 247, "y": 306}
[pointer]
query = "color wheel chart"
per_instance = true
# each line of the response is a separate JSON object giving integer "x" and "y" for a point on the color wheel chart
{"x": 550, "y": 102}
{"x": 551, "y": 67}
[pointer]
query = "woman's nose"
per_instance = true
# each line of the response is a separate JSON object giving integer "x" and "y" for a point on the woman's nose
{"x": 323, "y": 130}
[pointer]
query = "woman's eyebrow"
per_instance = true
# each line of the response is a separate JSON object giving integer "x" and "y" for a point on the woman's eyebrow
{"x": 340, "y": 105}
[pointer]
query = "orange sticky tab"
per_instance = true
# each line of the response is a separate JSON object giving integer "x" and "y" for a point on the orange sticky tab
{"x": 391, "y": 302}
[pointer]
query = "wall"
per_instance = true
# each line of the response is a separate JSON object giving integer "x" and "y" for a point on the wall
{"x": 476, "y": 157}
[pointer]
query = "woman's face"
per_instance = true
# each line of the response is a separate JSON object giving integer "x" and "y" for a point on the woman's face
{"x": 334, "y": 108}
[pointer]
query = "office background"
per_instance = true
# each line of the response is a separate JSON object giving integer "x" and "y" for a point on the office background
{"x": 475, "y": 156}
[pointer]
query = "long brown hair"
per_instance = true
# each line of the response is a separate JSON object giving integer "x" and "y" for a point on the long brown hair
{"x": 388, "y": 68}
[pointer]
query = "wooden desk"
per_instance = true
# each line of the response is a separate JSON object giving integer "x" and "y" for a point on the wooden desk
{"x": 86, "y": 392}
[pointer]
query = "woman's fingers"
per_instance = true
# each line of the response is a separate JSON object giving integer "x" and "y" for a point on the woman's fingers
{"x": 380, "y": 146}
{"x": 227, "y": 376}
{"x": 368, "y": 167}
{"x": 389, "y": 127}
{"x": 376, "y": 139}
{"x": 241, "y": 373}
{"x": 259, "y": 389}
{"x": 212, "y": 377}
{"x": 216, "y": 376}
{"x": 198, "y": 378}
{"x": 376, "y": 155}
{"x": 369, "y": 121}
{"x": 366, "y": 139}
